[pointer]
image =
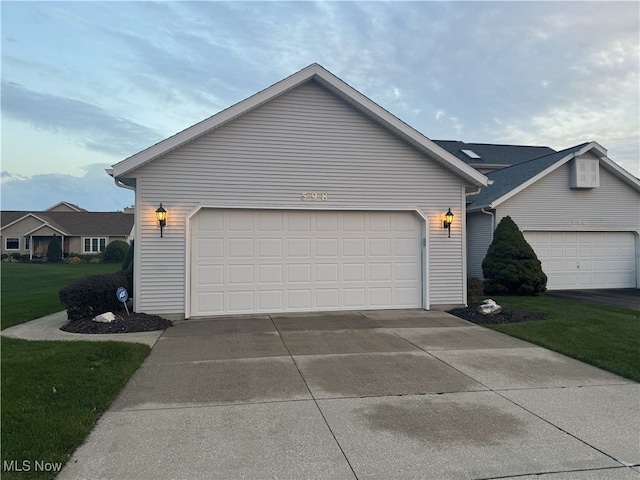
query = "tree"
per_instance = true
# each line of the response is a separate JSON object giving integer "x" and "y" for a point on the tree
{"x": 511, "y": 267}
{"x": 54, "y": 250}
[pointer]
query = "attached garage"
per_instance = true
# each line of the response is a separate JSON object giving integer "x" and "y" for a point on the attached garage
{"x": 248, "y": 261}
{"x": 304, "y": 197}
{"x": 584, "y": 260}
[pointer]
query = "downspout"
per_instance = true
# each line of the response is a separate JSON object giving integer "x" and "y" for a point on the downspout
{"x": 493, "y": 220}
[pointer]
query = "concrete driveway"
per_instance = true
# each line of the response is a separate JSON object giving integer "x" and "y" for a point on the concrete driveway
{"x": 617, "y": 297}
{"x": 375, "y": 395}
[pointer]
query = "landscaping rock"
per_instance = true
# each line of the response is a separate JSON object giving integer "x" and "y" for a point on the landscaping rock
{"x": 107, "y": 317}
{"x": 489, "y": 307}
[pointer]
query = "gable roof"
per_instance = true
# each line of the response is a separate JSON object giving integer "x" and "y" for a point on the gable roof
{"x": 326, "y": 79}
{"x": 494, "y": 156}
{"x": 511, "y": 180}
{"x": 75, "y": 223}
{"x": 69, "y": 206}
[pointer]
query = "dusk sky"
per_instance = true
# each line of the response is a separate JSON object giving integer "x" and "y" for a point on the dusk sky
{"x": 87, "y": 84}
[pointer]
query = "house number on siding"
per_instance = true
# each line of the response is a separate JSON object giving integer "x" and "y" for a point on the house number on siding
{"x": 314, "y": 196}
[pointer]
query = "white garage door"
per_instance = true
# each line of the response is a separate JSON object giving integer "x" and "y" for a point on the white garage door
{"x": 582, "y": 260}
{"x": 246, "y": 261}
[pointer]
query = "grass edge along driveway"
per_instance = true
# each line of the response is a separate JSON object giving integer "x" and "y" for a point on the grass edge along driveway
{"x": 52, "y": 393}
{"x": 600, "y": 335}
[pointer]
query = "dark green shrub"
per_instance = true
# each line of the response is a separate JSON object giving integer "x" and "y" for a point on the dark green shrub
{"x": 115, "y": 252}
{"x": 475, "y": 289}
{"x": 511, "y": 267}
{"x": 3, "y": 256}
{"x": 25, "y": 258}
{"x": 54, "y": 250}
{"x": 16, "y": 256}
{"x": 91, "y": 296}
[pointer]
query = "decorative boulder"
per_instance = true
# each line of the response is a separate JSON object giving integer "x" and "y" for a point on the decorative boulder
{"x": 107, "y": 317}
{"x": 489, "y": 307}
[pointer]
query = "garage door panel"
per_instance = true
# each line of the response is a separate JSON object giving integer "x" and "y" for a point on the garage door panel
{"x": 586, "y": 259}
{"x": 268, "y": 261}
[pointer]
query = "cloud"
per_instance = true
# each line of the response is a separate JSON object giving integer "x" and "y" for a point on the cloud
{"x": 94, "y": 191}
{"x": 87, "y": 125}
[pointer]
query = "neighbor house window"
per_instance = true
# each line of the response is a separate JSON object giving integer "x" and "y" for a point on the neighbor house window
{"x": 27, "y": 243}
{"x": 94, "y": 245}
{"x": 12, "y": 244}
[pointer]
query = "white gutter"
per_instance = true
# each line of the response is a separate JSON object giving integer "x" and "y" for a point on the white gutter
{"x": 493, "y": 221}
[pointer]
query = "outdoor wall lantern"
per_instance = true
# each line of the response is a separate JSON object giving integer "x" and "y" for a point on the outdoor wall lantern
{"x": 448, "y": 220}
{"x": 161, "y": 214}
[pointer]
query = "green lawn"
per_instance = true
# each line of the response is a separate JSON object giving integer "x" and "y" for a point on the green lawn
{"x": 604, "y": 336}
{"x": 30, "y": 290}
{"x": 52, "y": 393}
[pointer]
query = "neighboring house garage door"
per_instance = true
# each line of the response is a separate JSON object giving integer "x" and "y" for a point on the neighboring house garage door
{"x": 582, "y": 260}
{"x": 246, "y": 261}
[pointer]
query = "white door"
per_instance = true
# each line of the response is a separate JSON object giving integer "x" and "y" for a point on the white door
{"x": 583, "y": 260}
{"x": 246, "y": 261}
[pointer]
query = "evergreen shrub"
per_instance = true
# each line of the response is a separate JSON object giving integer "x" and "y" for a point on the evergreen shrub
{"x": 511, "y": 267}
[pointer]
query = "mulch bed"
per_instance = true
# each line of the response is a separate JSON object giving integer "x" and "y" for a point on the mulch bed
{"x": 508, "y": 315}
{"x": 123, "y": 323}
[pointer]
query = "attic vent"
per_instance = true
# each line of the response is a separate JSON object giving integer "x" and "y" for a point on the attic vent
{"x": 470, "y": 153}
{"x": 585, "y": 173}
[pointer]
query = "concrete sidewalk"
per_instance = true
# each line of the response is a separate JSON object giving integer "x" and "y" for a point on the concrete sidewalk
{"x": 48, "y": 328}
{"x": 406, "y": 394}
{"x": 384, "y": 395}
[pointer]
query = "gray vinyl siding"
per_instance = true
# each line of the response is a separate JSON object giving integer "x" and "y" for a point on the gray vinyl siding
{"x": 479, "y": 237}
{"x": 549, "y": 204}
{"x": 304, "y": 141}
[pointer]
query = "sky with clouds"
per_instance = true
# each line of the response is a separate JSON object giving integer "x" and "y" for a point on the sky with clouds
{"x": 87, "y": 84}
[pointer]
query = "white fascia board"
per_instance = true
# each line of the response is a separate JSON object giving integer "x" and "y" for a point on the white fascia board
{"x": 547, "y": 171}
{"x": 400, "y": 128}
{"x": 73, "y": 207}
{"x": 620, "y": 172}
{"x": 22, "y": 218}
{"x": 215, "y": 121}
{"x": 31, "y": 232}
{"x": 333, "y": 83}
{"x": 531, "y": 181}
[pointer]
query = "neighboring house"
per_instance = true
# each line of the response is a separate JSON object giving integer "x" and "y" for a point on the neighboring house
{"x": 306, "y": 196}
{"x": 578, "y": 209}
{"x": 80, "y": 231}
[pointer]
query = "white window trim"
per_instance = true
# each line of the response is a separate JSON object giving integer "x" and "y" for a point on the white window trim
{"x": 6, "y": 243}
{"x": 91, "y": 239}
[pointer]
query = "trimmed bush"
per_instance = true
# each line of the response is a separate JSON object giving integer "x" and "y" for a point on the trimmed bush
{"x": 54, "y": 250}
{"x": 91, "y": 296}
{"x": 511, "y": 267}
{"x": 115, "y": 252}
{"x": 73, "y": 260}
{"x": 16, "y": 256}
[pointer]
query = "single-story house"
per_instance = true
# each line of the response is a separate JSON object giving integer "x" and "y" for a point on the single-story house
{"x": 306, "y": 196}
{"x": 578, "y": 209}
{"x": 80, "y": 231}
